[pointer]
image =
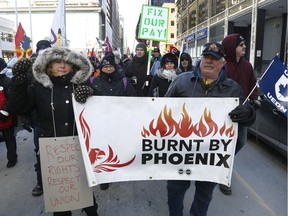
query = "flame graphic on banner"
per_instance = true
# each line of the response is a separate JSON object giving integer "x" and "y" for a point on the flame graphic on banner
{"x": 112, "y": 162}
{"x": 167, "y": 126}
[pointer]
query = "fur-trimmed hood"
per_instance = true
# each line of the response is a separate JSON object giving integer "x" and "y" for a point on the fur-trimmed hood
{"x": 83, "y": 65}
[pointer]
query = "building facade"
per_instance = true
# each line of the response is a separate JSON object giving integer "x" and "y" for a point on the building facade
{"x": 201, "y": 21}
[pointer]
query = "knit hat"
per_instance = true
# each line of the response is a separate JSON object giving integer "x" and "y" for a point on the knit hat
{"x": 185, "y": 56}
{"x": 141, "y": 45}
{"x": 169, "y": 57}
{"x": 239, "y": 39}
{"x": 108, "y": 59}
{"x": 156, "y": 49}
{"x": 214, "y": 49}
{"x": 42, "y": 44}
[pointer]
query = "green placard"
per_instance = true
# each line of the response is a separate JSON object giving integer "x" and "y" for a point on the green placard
{"x": 154, "y": 23}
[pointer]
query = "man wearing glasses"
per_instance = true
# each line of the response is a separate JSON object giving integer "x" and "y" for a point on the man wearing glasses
{"x": 240, "y": 70}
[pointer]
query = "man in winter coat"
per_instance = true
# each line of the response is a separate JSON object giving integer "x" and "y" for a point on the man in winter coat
{"x": 241, "y": 71}
{"x": 137, "y": 71}
{"x": 207, "y": 80}
{"x": 57, "y": 72}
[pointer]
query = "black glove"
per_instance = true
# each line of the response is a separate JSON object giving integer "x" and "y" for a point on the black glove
{"x": 26, "y": 124}
{"x": 148, "y": 78}
{"x": 241, "y": 114}
{"x": 255, "y": 103}
{"x": 3, "y": 115}
{"x": 20, "y": 70}
{"x": 82, "y": 92}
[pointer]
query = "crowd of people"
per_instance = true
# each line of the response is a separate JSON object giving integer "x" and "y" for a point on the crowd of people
{"x": 41, "y": 88}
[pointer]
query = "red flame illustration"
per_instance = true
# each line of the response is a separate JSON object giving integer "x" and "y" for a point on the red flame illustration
{"x": 201, "y": 130}
{"x": 164, "y": 129}
{"x": 228, "y": 132}
{"x": 112, "y": 162}
{"x": 85, "y": 129}
{"x": 185, "y": 125}
{"x": 166, "y": 125}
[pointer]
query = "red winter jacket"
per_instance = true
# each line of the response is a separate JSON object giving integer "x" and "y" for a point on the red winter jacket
{"x": 242, "y": 72}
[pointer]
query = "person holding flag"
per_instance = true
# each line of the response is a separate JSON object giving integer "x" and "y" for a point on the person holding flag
{"x": 241, "y": 71}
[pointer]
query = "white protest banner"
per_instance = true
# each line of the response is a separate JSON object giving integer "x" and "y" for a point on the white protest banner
{"x": 63, "y": 174}
{"x": 154, "y": 23}
{"x": 138, "y": 138}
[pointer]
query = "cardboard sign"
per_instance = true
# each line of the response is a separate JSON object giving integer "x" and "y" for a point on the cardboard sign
{"x": 63, "y": 174}
{"x": 154, "y": 23}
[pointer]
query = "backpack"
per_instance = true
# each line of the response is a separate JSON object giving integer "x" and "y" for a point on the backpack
{"x": 8, "y": 122}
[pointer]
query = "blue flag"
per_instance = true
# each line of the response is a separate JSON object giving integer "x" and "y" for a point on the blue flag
{"x": 274, "y": 84}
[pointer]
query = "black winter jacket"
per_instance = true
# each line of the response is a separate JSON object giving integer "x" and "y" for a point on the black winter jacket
{"x": 51, "y": 97}
{"x": 115, "y": 84}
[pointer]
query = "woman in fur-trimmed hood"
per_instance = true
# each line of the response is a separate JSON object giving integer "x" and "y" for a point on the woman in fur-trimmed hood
{"x": 81, "y": 66}
{"x": 58, "y": 73}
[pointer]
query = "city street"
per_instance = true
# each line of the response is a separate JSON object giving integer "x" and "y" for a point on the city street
{"x": 259, "y": 187}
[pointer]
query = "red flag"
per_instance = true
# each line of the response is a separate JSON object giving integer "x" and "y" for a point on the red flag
{"x": 22, "y": 44}
{"x": 92, "y": 53}
{"x": 107, "y": 45}
{"x": 173, "y": 50}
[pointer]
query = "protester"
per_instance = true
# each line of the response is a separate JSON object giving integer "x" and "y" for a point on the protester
{"x": 240, "y": 70}
{"x": 185, "y": 62}
{"x": 109, "y": 83}
{"x": 206, "y": 80}
{"x": 8, "y": 121}
{"x": 164, "y": 76}
{"x": 155, "y": 61}
{"x": 31, "y": 122}
{"x": 137, "y": 71}
{"x": 57, "y": 72}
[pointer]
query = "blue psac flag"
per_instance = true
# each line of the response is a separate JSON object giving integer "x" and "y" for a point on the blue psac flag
{"x": 274, "y": 84}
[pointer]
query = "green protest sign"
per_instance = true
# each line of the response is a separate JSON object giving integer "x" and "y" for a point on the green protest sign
{"x": 154, "y": 23}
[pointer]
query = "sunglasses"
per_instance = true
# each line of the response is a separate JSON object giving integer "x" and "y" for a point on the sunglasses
{"x": 241, "y": 45}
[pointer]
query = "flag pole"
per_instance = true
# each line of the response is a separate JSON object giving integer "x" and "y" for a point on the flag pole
{"x": 30, "y": 17}
{"x": 65, "y": 36}
{"x": 16, "y": 13}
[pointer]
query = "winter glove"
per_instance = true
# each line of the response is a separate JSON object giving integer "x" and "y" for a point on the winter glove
{"x": 3, "y": 115}
{"x": 255, "y": 103}
{"x": 26, "y": 124}
{"x": 243, "y": 114}
{"x": 20, "y": 70}
{"x": 82, "y": 93}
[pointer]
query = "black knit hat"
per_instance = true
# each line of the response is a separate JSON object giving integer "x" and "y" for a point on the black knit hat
{"x": 141, "y": 45}
{"x": 108, "y": 59}
{"x": 169, "y": 57}
{"x": 239, "y": 39}
{"x": 42, "y": 44}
